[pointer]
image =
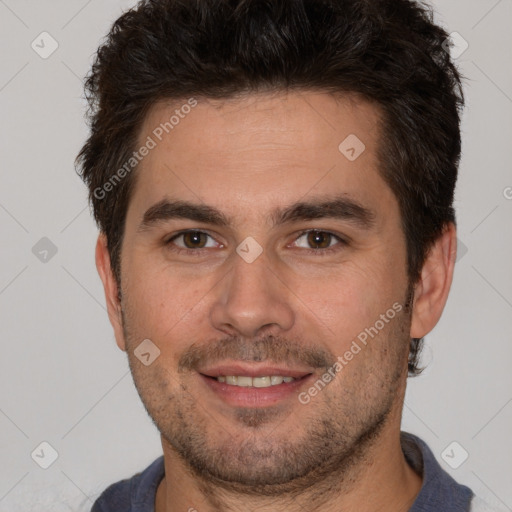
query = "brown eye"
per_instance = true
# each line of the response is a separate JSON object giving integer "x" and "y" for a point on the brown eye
{"x": 194, "y": 239}
{"x": 319, "y": 239}
{"x": 319, "y": 242}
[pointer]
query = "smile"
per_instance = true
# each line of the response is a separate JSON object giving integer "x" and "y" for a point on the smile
{"x": 256, "y": 382}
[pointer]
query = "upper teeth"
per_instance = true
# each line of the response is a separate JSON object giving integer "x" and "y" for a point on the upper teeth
{"x": 257, "y": 382}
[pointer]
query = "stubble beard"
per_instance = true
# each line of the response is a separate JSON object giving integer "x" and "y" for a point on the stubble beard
{"x": 251, "y": 458}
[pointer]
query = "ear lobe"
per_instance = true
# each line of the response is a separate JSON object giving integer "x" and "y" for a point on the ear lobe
{"x": 431, "y": 290}
{"x": 111, "y": 289}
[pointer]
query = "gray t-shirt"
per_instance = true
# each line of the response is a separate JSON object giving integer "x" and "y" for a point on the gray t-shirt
{"x": 439, "y": 492}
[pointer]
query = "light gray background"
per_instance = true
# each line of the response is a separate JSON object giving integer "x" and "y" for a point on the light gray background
{"x": 62, "y": 378}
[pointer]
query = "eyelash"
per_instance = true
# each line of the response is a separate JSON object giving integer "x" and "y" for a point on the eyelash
{"x": 317, "y": 252}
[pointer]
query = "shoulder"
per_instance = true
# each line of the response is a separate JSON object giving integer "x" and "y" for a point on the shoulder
{"x": 138, "y": 491}
{"x": 115, "y": 497}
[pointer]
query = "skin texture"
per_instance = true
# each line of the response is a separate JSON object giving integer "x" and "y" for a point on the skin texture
{"x": 292, "y": 306}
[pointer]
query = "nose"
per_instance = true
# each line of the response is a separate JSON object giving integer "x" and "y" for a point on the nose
{"x": 252, "y": 300}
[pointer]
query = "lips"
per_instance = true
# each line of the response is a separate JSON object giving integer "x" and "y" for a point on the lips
{"x": 253, "y": 386}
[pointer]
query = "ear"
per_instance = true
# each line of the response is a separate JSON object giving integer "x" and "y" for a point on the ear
{"x": 431, "y": 290}
{"x": 111, "y": 289}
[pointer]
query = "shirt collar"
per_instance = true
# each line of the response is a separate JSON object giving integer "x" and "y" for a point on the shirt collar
{"x": 439, "y": 490}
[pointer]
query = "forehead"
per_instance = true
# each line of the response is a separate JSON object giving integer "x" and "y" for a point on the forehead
{"x": 303, "y": 121}
{"x": 259, "y": 150}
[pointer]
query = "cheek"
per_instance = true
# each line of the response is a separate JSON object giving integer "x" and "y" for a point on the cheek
{"x": 163, "y": 305}
{"x": 348, "y": 298}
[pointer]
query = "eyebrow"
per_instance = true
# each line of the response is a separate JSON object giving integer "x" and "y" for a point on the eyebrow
{"x": 340, "y": 207}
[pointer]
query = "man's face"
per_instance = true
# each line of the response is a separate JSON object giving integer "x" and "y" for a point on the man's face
{"x": 288, "y": 303}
